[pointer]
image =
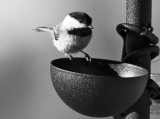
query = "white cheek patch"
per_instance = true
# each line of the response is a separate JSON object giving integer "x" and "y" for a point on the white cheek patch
{"x": 70, "y": 23}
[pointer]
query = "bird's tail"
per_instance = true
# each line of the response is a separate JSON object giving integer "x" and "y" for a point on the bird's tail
{"x": 44, "y": 29}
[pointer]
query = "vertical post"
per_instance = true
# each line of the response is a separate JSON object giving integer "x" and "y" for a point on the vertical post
{"x": 138, "y": 12}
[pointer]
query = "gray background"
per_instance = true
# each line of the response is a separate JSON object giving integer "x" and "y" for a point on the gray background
{"x": 26, "y": 91}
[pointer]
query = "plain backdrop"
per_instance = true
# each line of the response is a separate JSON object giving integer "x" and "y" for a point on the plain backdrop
{"x": 26, "y": 90}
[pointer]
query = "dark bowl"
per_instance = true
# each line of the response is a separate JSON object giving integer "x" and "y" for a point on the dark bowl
{"x": 101, "y": 89}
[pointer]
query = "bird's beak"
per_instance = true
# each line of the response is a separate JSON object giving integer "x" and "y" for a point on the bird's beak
{"x": 91, "y": 27}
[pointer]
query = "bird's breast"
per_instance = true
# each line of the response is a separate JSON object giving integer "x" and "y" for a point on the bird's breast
{"x": 71, "y": 43}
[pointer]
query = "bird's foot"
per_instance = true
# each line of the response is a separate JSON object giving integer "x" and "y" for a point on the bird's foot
{"x": 70, "y": 58}
{"x": 88, "y": 58}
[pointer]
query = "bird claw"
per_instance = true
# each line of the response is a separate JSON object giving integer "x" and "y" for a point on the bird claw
{"x": 87, "y": 57}
{"x": 70, "y": 58}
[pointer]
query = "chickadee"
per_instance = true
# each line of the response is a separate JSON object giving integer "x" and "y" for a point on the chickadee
{"x": 72, "y": 35}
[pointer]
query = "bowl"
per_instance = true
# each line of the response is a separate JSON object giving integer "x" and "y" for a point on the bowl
{"x": 100, "y": 89}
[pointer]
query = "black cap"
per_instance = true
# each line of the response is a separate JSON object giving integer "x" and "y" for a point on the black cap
{"x": 82, "y": 17}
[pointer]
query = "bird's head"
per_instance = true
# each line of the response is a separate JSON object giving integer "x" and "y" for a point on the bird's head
{"x": 77, "y": 20}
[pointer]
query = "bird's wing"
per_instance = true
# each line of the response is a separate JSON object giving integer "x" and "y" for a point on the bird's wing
{"x": 56, "y": 31}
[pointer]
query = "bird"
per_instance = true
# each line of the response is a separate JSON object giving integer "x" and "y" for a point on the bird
{"x": 72, "y": 35}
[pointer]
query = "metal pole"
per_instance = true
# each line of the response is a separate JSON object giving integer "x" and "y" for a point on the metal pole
{"x": 138, "y": 12}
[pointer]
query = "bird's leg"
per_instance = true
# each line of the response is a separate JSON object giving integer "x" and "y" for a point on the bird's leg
{"x": 88, "y": 58}
{"x": 70, "y": 58}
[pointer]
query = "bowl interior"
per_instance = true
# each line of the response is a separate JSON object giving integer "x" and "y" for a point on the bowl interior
{"x": 99, "y": 67}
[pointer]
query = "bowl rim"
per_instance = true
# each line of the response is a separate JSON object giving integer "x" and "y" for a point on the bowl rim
{"x": 100, "y": 76}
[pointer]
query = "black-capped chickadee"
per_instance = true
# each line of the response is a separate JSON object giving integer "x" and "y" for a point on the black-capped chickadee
{"x": 72, "y": 35}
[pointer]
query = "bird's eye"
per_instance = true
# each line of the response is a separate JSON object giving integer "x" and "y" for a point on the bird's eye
{"x": 80, "y": 20}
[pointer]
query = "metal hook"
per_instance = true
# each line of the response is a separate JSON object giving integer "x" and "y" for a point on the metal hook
{"x": 144, "y": 32}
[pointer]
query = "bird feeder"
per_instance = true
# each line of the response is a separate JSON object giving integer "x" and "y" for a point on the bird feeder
{"x": 112, "y": 88}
